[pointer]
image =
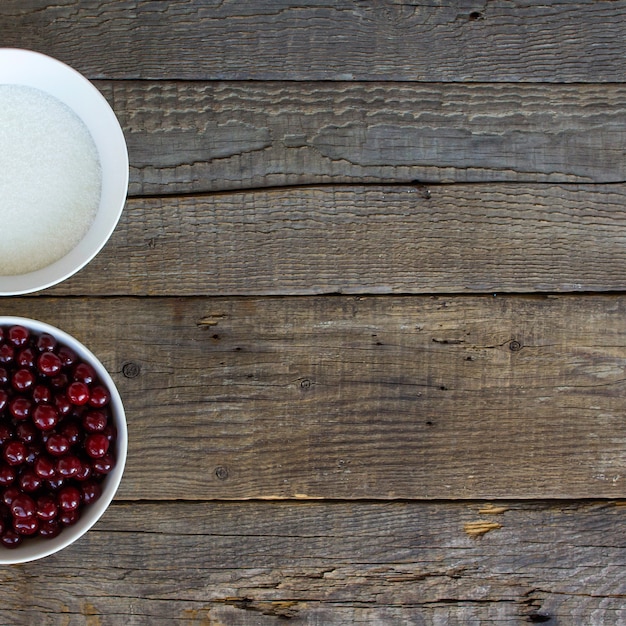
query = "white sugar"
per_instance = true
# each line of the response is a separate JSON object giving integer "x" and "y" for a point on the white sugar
{"x": 50, "y": 179}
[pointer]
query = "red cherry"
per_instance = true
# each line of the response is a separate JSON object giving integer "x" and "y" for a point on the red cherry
{"x": 4, "y": 399}
{"x": 78, "y": 393}
{"x": 94, "y": 421}
{"x": 91, "y": 491}
{"x": 103, "y": 465}
{"x": 29, "y": 481}
{"x": 96, "y": 445}
{"x": 14, "y": 452}
{"x": 49, "y": 364}
{"x": 99, "y": 397}
{"x": 69, "y": 466}
{"x": 45, "y": 417}
{"x": 62, "y": 403}
{"x": 26, "y": 358}
{"x": 26, "y": 432}
{"x": 22, "y": 506}
{"x": 7, "y": 353}
{"x": 57, "y": 445}
{"x": 9, "y": 494}
{"x": 42, "y": 394}
{"x": 19, "y": 408}
{"x": 26, "y": 526}
{"x": 10, "y": 539}
{"x": 84, "y": 373}
{"x": 67, "y": 355}
{"x": 7, "y": 475}
{"x": 68, "y": 498}
{"x": 45, "y": 467}
{"x": 46, "y": 508}
{"x": 46, "y": 342}
{"x": 49, "y": 529}
{"x": 18, "y": 335}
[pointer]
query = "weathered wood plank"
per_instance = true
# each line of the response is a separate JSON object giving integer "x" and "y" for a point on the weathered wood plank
{"x": 326, "y": 563}
{"x": 199, "y": 137}
{"x": 352, "y": 397}
{"x": 467, "y": 40}
{"x": 389, "y": 239}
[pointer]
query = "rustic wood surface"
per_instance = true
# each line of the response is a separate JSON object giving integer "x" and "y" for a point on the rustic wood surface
{"x": 379, "y": 40}
{"x": 366, "y": 310}
{"x": 362, "y": 398}
{"x": 265, "y": 134}
{"x": 393, "y": 239}
{"x": 332, "y": 563}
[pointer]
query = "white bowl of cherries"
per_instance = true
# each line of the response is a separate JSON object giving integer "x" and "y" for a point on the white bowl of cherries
{"x": 63, "y": 439}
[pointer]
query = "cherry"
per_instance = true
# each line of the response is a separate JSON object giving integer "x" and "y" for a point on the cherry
{"x": 7, "y": 475}
{"x": 57, "y": 445}
{"x": 22, "y": 506}
{"x": 45, "y": 416}
{"x": 49, "y": 529}
{"x": 94, "y": 421}
{"x": 22, "y": 380}
{"x": 96, "y": 445}
{"x": 4, "y": 376}
{"x": 91, "y": 491}
{"x": 71, "y": 431}
{"x": 84, "y": 473}
{"x": 59, "y": 381}
{"x": 14, "y": 452}
{"x": 7, "y": 353}
{"x": 69, "y": 498}
{"x": 67, "y": 518}
{"x": 26, "y": 526}
{"x": 62, "y": 403}
{"x": 84, "y": 373}
{"x": 29, "y": 481}
{"x": 19, "y": 408}
{"x": 26, "y": 432}
{"x": 46, "y": 342}
{"x": 69, "y": 466}
{"x": 26, "y": 358}
{"x": 18, "y": 335}
{"x": 103, "y": 465}
{"x": 9, "y": 494}
{"x": 78, "y": 393}
{"x": 49, "y": 364}
{"x": 10, "y": 539}
{"x": 67, "y": 355}
{"x": 5, "y": 433}
{"x": 4, "y": 399}
{"x": 47, "y": 508}
{"x": 45, "y": 467}
{"x": 99, "y": 397}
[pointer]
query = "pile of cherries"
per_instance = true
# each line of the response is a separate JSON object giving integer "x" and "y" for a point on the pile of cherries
{"x": 57, "y": 436}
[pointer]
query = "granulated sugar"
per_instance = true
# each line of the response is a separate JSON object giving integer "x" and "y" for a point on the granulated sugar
{"x": 50, "y": 179}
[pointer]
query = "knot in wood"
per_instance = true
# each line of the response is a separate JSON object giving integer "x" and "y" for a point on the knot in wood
{"x": 131, "y": 370}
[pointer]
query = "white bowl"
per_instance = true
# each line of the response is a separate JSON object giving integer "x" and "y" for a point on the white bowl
{"x": 36, "y": 548}
{"x": 32, "y": 69}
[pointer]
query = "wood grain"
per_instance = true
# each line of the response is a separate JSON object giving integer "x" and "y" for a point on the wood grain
{"x": 381, "y": 564}
{"x": 530, "y": 41}
{"x": 199, "y": 137}
{"x": 366, "y": 239}
{"x": 362, "y": 398}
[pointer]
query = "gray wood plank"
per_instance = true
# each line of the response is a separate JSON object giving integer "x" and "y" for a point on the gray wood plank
{"x": 336, "y": 563}
{"x": 362, "y": 398}
{"x": 381, "y": 239}
{"x": 467, "y": 40}
{"x": 198, "y": 137}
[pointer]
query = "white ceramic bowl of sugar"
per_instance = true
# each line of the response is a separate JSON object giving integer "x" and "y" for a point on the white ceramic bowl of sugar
{"x": 24, "y": 72}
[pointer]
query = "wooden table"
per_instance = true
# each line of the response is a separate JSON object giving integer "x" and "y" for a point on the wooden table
{"x": 366, "y": 309}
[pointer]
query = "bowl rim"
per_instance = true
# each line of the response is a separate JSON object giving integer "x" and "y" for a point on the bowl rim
{"x": 77, "y": 258}
{"x": 37, "y": 548}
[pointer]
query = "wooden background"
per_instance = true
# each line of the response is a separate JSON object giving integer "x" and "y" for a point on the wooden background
{"x": 366, "y": 310}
